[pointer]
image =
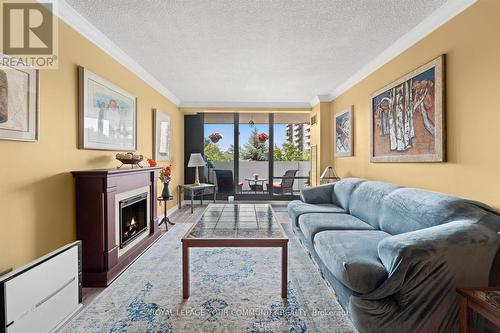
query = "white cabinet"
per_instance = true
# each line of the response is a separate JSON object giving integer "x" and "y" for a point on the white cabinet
{"x": 40, "y": 296}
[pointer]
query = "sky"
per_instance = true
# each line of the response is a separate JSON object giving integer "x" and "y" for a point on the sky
{"x": 227, "y": 132}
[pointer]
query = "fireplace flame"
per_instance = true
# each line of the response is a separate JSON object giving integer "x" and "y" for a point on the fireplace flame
{"x": 132, "y": 227}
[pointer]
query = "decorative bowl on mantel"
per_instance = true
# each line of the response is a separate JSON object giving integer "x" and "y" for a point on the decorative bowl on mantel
{"x": 129, "y": 158}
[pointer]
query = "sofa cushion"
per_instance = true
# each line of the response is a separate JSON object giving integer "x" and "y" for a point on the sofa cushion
{"x": 352, "y": 257}
{"x": 367, "y": 199}
{"x": 342, "y": 191}
{"x": 296, "y": 208}
{"x": 311, "y": 224}
{"x": 317, "y": 194}
{"x": 410, "y": 209}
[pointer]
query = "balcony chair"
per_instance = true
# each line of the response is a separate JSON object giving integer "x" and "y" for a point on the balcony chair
{"x": 225, "y": 182}
{"x": 285, "y": 186}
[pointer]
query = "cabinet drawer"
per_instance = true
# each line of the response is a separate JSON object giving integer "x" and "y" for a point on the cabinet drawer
{"x": 43, "y": 295}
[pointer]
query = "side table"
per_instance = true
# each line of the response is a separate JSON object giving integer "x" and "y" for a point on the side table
{"x": 165, "y": 218}
{"x": 483, "y": 301}
{"x": 256, "y": 184}
{"x": 195, "y": 190}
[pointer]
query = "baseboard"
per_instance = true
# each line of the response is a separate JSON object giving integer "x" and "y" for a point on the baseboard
{"x": 173, "y": 209}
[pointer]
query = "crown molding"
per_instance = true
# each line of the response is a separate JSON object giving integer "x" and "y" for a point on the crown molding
{"x": 320, "y": 98}
{"x": 439, "y": 17}
{"x": 245, "y": 105}
{"x": 69, "y": 15}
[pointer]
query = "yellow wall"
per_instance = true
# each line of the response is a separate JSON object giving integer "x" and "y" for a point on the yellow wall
{"x": 471, "y": 42}
{"x": 321, "y": 136}
{"x": 37, "y": 199}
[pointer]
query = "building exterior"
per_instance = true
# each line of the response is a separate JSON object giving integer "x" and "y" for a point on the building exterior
{"x": 299, "y": 135}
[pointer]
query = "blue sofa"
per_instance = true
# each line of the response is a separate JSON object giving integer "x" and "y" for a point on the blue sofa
{"x": 395, "y": 255}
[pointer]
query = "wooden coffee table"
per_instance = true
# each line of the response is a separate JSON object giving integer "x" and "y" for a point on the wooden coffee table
{"x": 236, "y": 225}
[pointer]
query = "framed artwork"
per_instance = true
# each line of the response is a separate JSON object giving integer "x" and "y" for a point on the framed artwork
{"x": 407, "y": 117}
{"x": 107, "y": 114}
{"x": 343, "y": 139}
{"x": 18, "y": 102}
{"x": 161, "y": 137}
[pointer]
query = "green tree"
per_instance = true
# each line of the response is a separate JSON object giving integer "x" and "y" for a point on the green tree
{"x": 290, "y": 152}
{"x": 278, "y": 154}
{"x": 254, "y": 150}
{"x": 229, "y": 153}
{"x": 213, "y": 152}
{"x": 306, "y": 156}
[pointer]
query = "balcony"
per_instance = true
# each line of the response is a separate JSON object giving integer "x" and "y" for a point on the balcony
{"x": 248, "y": 169}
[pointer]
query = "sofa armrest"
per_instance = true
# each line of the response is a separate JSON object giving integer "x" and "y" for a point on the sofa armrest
{"x": 318, "y": 194}
{"x": 458, "y": 254}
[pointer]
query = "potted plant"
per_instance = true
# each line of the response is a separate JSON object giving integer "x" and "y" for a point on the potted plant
{"x": 262, "y": 137}
{"x": 215, "y": 137}
{"x": 165, "y": 174}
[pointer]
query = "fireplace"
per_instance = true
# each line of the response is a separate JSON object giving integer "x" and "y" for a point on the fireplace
{"x": 106, "y": 202}
{"x": 133, "y": 218}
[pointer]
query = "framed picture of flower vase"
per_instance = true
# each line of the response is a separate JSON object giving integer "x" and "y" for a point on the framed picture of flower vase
{"x": 107, "y": 114}
{"x": 18, "y": 101}
{"x": 407, "y": 117}
{"x": 342, "y": 127}
{"x": 161, "y": 135}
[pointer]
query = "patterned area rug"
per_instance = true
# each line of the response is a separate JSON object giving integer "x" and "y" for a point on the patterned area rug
{"x": 232, "y": 290}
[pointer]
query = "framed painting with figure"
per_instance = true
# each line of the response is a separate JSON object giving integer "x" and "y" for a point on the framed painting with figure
{"x": 18, "y": 101}
{"x": 161, "y": 136}
{"x": 343, "y": 141}
{"x": 107, "y": 114}
{"x": 407, "y": 117}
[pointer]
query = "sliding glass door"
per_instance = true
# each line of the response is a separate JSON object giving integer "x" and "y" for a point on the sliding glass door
{"x": 219, "y": 152}
{"x": 257, "y": 156}
{"x": 253, "y": 155}
{"x": 291, "y": 154}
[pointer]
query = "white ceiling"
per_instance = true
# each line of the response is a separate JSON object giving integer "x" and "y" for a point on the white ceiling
{"x": 229, "y": 52}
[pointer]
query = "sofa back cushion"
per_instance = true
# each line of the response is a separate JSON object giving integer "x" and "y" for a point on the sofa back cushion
{"x": 410, "y": 209}
{"x": 342, "y": 191}
{"x": 367, "y": 199}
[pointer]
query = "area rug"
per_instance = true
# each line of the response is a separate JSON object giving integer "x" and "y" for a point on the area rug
{"x": 232, "y": 290}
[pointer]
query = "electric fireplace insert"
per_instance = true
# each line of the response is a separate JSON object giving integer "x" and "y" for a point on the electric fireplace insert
{"x": 133, "y": 218}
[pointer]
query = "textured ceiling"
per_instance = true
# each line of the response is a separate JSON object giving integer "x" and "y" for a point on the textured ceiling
{"x": 253, "y": 51}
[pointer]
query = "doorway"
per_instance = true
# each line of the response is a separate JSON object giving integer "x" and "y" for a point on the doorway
{"x": 257, "y": 156}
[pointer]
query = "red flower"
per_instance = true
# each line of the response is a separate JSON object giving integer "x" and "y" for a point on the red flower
{"x": 165, "y": 173}
{"x": 152, "y": 163}
{"x": 215, "y": 137}
{"x": 262, "y": 137}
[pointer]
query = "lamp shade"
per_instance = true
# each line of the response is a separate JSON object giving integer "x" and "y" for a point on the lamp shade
{"x": 329, "y": 173}
{"x": 196, "y": 160}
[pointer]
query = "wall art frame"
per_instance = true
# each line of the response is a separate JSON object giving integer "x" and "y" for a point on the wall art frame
{"x": 107, "y": 114}
{"x": 407, "y": 117}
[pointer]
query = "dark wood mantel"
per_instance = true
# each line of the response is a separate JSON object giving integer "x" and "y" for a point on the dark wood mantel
{"x": 95, "y": 218}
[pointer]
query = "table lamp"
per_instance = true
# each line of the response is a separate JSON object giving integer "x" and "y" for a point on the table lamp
{"x": 195, "y": 161}
{"x": 329, "y": 175}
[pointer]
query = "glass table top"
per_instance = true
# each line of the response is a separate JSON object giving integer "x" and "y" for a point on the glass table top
{"x": 237, "y": 221}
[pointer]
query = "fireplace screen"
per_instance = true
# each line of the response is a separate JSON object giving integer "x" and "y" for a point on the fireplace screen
{"x": 133, "y": 218}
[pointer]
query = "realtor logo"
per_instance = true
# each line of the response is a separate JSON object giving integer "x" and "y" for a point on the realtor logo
{"x": 29, "y": 33}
